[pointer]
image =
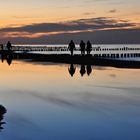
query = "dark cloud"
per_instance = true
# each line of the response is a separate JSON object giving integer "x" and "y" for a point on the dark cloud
{"x": 98, "y": 30}
{"x": 77, "y": 25}
{"x": 118, "y": 36}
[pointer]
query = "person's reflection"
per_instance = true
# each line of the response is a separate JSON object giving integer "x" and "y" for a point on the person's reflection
{"x": 2, "y": 112}
{"x": 9, "y": 59}
{"x": 89, "y": 70}
{"x": 2, "y": 57}
{"x": 82, "y": 70}
{"x": 72, "y": 70}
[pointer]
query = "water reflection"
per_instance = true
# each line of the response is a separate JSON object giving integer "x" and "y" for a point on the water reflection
{"x": 42, "y": 107}
{"x": 8, "y": 57}
{"x": 2, "y": 112}
{"x": 83, "y": 70}
{"x": 72, "y": 70}
{"x": 89, "y": 70}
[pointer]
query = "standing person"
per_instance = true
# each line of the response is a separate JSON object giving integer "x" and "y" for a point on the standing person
{"x": 89, "y": 48}
{"x": 82, "y": 47}
{"x": 71, "y": 47}
{"x": 9, "y": 46}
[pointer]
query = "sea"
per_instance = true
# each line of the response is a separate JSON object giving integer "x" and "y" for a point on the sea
{"x": 49, "y": 101}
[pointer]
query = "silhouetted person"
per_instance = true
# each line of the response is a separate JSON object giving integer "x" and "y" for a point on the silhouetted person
{"x": 9, "y": 46}
{"x": 71, "y": 47}
{"x": 72, "y": 70}
{"x": 82, "y": 70}
{"x": 89, "y": 48}
{"x": 82, "y": 47}
{"x": 2, "y": 112}
{"x": 89, "y": 70}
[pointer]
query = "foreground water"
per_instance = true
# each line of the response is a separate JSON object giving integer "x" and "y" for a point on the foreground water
{"x": 44, "y": 102}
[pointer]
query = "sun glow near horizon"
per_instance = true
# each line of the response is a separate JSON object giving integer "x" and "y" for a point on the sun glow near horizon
{"x": 24, "y": 14}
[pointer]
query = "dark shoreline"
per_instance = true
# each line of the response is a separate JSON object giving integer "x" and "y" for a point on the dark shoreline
{"x": 76, "y": 59}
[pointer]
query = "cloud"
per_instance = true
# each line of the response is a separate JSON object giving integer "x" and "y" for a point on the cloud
{"x": 76, "y": 29}
{"x": 88, "y": 13}
{"x": 116, "y": 36}
{"x": 112, "y": 2}
{"x": 113, "y": 11}
{"x": 77, "y": 25}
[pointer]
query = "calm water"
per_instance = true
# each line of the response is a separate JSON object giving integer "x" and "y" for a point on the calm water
{"x": 44, "y": 102}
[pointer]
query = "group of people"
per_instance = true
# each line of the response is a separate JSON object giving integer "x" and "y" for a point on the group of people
{"x": 83, "y": 47}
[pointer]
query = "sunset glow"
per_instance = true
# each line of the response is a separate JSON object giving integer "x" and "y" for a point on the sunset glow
{"x": 19, "y": 13}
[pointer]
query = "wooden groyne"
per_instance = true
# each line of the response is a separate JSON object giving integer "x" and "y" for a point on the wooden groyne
{"x": 100, "y": 52}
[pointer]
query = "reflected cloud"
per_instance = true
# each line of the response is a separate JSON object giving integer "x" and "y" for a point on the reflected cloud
{"x": 51, "y": 98}
{"x": 113, "y": 11}
{"x": 100, "y": 68}
{"x": 113, "y": 75}
{"x": 137, "y": 89}
{"x": 22, "y": 121}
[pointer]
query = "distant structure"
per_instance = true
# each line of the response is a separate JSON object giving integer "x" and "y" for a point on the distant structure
{"x": 71, "y": 47}
{"x": 82, "y": 47}
{"x": 89, "y": 47}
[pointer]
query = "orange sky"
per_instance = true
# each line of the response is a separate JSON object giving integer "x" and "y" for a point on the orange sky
{"x": 102, "y": 14}
{"x": 18, "y": 12}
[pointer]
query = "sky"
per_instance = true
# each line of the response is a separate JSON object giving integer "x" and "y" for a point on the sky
{"x": 47, "y": 21}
